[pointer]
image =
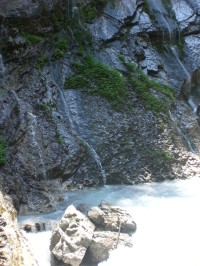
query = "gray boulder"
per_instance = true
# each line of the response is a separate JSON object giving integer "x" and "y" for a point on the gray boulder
{"x": 112, "y": 218}
{"x": 72, "y": 237}
{"x": 105, "y": 241}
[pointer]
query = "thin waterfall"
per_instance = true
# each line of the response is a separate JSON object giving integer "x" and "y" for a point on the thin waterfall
{"x": 188, "y": 76}
{"x": 79, "y": 127}
{"x": 36, "y": 143}
{"x": 158, "y": 7}
{"x": 33, "y": 129}
{"x": 2, "y": 67}
{"x": 182, "y": 134}
{"x": 192, "y": 104}
{"x": 3, "y": 87}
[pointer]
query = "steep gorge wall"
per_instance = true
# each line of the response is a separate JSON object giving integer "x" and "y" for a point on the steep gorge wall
{"x": 59, "y": 138}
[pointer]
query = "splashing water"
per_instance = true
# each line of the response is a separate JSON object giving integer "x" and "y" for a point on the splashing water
{"x": 167, "y": 218}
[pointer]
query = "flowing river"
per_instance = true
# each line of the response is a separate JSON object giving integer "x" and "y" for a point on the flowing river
{"x": 167, "y": 217}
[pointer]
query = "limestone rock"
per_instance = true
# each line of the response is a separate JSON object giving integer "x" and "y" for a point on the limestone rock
{"x": 112, "y": 218}
{"x": 14, "y": 248}
{"x": 103, "y": 242}
{"x": 72, "y": 237}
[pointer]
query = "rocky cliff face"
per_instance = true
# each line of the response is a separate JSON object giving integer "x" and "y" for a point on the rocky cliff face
{"x": 58, "y": 137}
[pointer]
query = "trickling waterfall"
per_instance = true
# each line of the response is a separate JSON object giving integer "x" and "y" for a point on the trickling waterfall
{"x": 156, "y": 5}
{"x": 36, "y": 143}
{"x": 2, "y": 67}
{"x": 182, "y": 134}
{"x": 3, "y": 87}
{"x": 78, "y": 125}
{"x": 192, "y": 104}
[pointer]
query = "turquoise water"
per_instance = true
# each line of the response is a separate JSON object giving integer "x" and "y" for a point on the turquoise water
{"x": 167, "y": 217}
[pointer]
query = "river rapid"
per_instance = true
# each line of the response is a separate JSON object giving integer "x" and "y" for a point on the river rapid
{"x": 167, "y": 217}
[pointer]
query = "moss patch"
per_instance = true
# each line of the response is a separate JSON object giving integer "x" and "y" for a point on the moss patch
{"x": 143, "y": 85}
{"x": 97, "y": 78}
{"x": 2, "y": 151}
{"x": 89, "y": 12}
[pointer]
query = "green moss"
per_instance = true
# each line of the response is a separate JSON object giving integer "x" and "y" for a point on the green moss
{"x": 31, "y": 38}
{"x": 146, "y": 9}
{"x": 84, "y": 146}
{"x": 61, "y": 44}
{"x": 59, "y": 139}
{"x": 59, "y": 21}
{"x": 57, "y": 54}
{"x": 60, "y": 48}
{"x": 89, "y": 12}
{"x": 42, "y": 61}
{"x": 2, "y": 151}
{"x": 47, "y": 109}
{"x": 97, "y": 78}
{"x": 142, "y": 84}
{"x": 159, "y": 156}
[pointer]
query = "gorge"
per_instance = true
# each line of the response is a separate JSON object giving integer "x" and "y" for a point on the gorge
{"x": 95, "y": 94}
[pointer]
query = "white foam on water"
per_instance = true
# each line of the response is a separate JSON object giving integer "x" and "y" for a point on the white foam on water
{"x": 167, "y": 217}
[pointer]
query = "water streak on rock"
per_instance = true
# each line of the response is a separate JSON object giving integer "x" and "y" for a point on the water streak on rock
{"x": 186, "y": 139}
{"x": 36, "y": 143}
{"x": 78, "y": 125}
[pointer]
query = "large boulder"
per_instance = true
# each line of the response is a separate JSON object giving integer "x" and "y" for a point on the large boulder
{"x": 74, "y": 240}
{"x": 72, "y": 237}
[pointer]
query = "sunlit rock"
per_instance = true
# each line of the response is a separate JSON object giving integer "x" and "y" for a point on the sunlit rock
{"x": 14, "y": 248}
{"x": 112, "y": 218}
{"x": 72, "y": 237}
{"x": 103, "y": 242}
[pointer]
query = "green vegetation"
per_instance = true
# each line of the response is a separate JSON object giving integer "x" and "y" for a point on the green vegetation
{"x": 99, "y": 79}
{"x": 146, "y": 9}
{"x": 42, "y": 61}
{"x": 31, "y": 38}
{"x": 59, "y": 139}
{"x": 143, "y": 85}
{"x": 2, "y": 151}
{"x": 90, "y": 11}
{"x": 160, "y": 156}
{"x": 60, "y": 48}
{"x": 47, "y": 109}
{"x": 84, "y": 146}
